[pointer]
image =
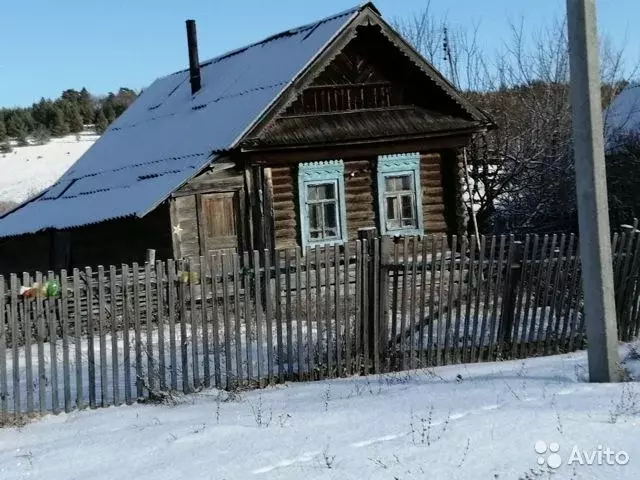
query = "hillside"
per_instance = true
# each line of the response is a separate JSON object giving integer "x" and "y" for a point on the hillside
{"x": 28, "y": 170}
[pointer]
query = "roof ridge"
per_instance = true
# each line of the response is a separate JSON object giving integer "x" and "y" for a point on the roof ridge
{"x": 275, "y": 36}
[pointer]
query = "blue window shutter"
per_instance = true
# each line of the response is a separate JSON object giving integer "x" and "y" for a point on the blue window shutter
{"x": 314, "y": 173}
{"x": 398, "y": 164}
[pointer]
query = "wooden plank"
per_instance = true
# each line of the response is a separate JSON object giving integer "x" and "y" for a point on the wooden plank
{"x": 41, "y": 334}
{"x": 308, "y": 314}
{"x": 522, "y": 292}
{"x": 473, "y": 265}
{"x": 395, "y": 295}
{"x": 51, "y": 319}
{"x": 137, "y": 330}
{"x": 13, "y": 325}
{"x": 246, "y": 280}
{"x": 77, "y": 312}
{"x": 476, "y": 310}
{"x": 229, "y": 378}
{"x": 506, "y": 322}
{"x": 441, "y": 303}
{"x": 463, "y": 263}
{"x": 101, "y": 336}
{"x": 64, "y": 311}
{"x": 115, "y": 375}
{"x": 299, "y": 340}
{"x": 182, "y": 315}
{"x": 148, "y": 320}
{"x": 551, "y": 330}
{"x": 4, "y": 323}
{"x": 366, "y": 355}
{"x": 625, "y": 281}
{"x": 237, "y": 316}
{"x": 412, "y": 303}
{"x": 27, "y": 329}
{"x": 321, "y": 362}
{"x": 160, "y": 298}
{"x": 215, "y": 321}
{"x": 375, "y": 304}
{"x": 126, "y": 328}
{"x": 268, "y": 314}
{"x": 545, "y": 296}
{"x": 288, "y": 319}
{"x": 403, "y": 304}
{"x": 432, "y": 297}
{"x": 195, "y": 338}
{"x": 572, "y": 307}
{"x": 629, "y": 295}
{"x": 529, "y": 297}
{"x": 448, "y": 339}
{"x": 204, "y": 290}
{"x": 171, "y": 297}
{"x": 257, "y": 296}
{"x": 382, "y": 290}
{"x": 277, "y": 264}
{"x": 327, "y": 310}
{"x": 567, "y": 291}
{"x": 346, "y": 315}
{"x": 358, "y": 310}
{"x": 539, "y": 283}
{"x": 500, "y": 272}
{"x": 486, "y": 301}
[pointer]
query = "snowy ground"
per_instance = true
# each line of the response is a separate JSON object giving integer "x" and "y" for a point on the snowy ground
{"x": 28, "y": 170}
{"x": 477, "y": 421}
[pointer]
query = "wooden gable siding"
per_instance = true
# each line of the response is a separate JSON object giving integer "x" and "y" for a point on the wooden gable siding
{"x": 360, "y": 196}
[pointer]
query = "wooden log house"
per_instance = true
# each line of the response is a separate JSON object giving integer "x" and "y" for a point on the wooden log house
{"x": 298, "y": 140}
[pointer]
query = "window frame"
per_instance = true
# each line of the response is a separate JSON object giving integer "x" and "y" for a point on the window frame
{"x": 321, "y": 173}
{"x": 404, "y": 164}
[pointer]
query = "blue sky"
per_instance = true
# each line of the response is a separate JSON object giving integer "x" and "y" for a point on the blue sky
{"x": 50, "y": 45}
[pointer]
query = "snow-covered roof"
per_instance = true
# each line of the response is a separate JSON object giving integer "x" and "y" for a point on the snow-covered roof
{"x": 623, "y": 115}
{"x": 167, "y": 135}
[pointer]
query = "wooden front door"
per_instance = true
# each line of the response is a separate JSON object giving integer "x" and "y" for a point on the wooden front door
{"x": 220, "y": 221}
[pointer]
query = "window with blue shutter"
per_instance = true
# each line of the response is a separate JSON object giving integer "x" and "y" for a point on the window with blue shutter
{"x": 399, "y": 194}
{"x": 322, "y": 203}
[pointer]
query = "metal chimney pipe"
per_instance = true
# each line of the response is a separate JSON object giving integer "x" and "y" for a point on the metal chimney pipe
{"x": 194, "y": 62}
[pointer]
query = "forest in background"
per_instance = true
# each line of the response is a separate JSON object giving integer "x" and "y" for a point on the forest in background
{"x": 70, "y": 113}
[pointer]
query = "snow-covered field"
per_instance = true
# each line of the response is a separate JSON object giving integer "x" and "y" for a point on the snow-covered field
{"x": 480, "y": 421}
{"x": 28, "y": 170}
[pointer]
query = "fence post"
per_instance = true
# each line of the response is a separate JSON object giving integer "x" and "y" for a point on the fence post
{"x": 512, "y": 282}
{"x": 367, "y": 310}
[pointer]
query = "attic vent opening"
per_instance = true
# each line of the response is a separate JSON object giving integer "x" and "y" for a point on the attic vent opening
{"x": 194, "y": 62}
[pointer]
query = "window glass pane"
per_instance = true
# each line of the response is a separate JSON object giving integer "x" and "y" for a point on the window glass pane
{"x": 315, "y": 234}
{"x": 312, "y": 192}
{"x": 398, "y": 183}
{"x": 330, "y": 215}
{"x": 405, "y": 181}
{"x": 330, "y": 233}
{"x": 407, "y": 206}
{"x": 327, "y": 191}
{"x": 314, "y": 217}
{"x": 391, "y": 210}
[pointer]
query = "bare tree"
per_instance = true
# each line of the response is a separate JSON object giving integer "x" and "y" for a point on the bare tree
{"x": 522, "y": 173}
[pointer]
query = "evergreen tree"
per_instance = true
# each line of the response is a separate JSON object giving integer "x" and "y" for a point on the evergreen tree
{"x": 22, "y": 140}
{"x": 5, "y": 147}
{"x": 86, "y": 106}
{"x": 41, "y": 112}
{"x": 108, "y": 111}
{"x": 58, "y": 126}
{"x": 16, "y": 127}
{"x": 41, "y": 135}
{"x": 3, "y": 129}
{"x": 100, "y": 122}
{"x": 72, "y": 116}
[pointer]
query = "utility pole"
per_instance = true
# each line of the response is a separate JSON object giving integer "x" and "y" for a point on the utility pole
{"x": 591, "y": 188}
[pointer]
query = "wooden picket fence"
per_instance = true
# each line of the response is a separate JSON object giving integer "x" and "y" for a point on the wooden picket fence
{"x": 132, "y": 332}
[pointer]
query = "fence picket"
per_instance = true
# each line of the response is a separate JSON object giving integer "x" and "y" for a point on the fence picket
{"x": 257, "y": 289}
{"x": 308, "y": 315}
{"x": 4, "y": 323}
{"x": 171, "y": 297}
{"x": 464, "y": 262}
{"x": 567, "y": 293}
{"x": 358, "y": 311}
{"x": 113, "y": 297}
{"x": 495, "y": 320}
{"x": 193, "y": 321}
{"x": 27, "y": 320}
{"x": 277, "y": 265}
{"x": 412, "y": 304}
{"x": 319, "y": 335}
{"x": 539, "y": 282}
{"x": 160, "y": 325}
{"x": 77, "y": 325}
{"x": 64, "y": 311}
{"x": 483, "y": 352}
{"x": 215, "y": 321}
{"x": 288, "y": 319}
{"x": 228, "y": 362}
{"x": 268, "y": 313}
{"x": 102, "y": 337}
{"x": 473, "y": 263}
{"x": 394, "y": 304}
{"x": 432, "y": 295}
{"x": 41, "y": 334}
{"x": 13, "y": 325}
{"x": 327, "y": 301}
{"x": 403, "y": 304}
{"x": 347, "y": 315}
{"x": 246, "y": 280}
{"x": 51, "y": 320}
{"x": 559, "y": 262}
{"x": 629, "y": 295}
{"x": 476, "y": 310}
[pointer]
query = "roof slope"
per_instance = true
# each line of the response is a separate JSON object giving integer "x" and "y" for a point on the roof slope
{"x": 168, "y": 135}
{"x": 623, "y": 115}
